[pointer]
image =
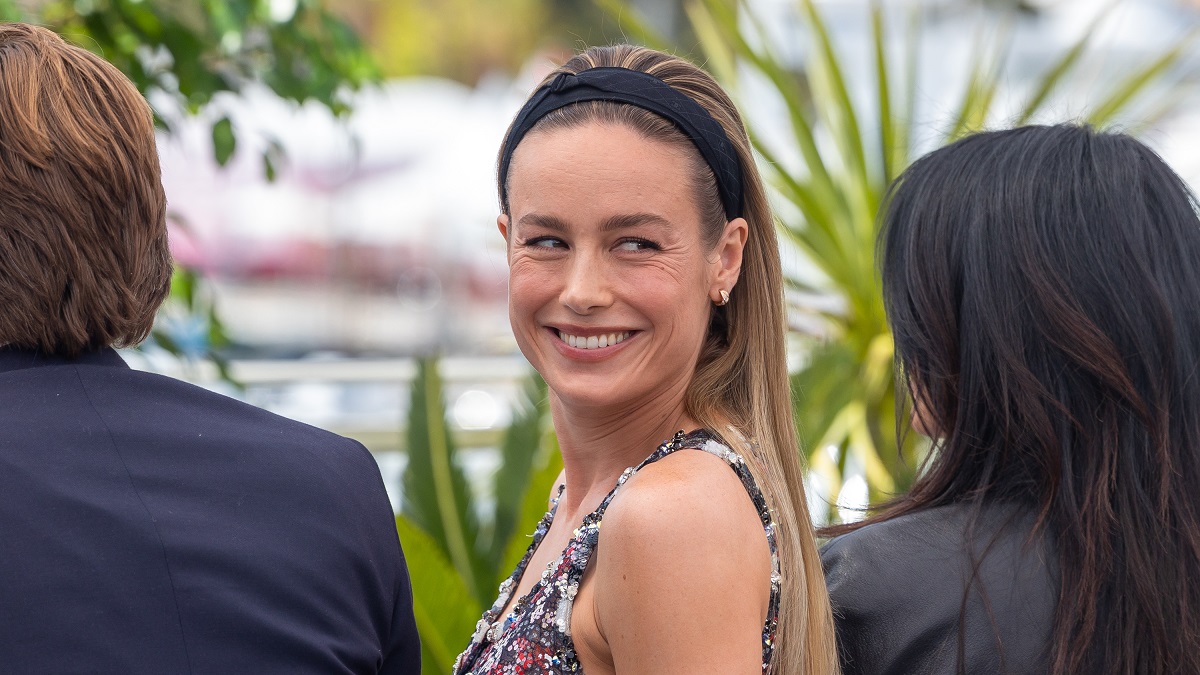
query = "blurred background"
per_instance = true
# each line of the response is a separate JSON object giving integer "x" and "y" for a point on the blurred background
{"x": 330, "y": 171}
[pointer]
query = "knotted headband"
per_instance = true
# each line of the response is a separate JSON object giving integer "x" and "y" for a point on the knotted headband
{"x": 644, "y": 91}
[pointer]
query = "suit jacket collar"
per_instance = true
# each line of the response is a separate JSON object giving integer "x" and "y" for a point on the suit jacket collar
{"x": 12, "y": 358}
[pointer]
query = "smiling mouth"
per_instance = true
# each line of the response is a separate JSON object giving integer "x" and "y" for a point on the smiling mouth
{"x": 594, "y": 341}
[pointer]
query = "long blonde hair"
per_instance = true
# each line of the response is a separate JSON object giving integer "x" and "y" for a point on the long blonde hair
{"x": 741, "y": 380}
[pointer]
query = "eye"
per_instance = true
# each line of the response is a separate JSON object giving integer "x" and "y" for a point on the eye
{"x": 544, "y": 242}
{"x": 637, "y": 245}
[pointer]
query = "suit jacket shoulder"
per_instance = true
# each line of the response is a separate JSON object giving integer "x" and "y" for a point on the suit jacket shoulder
{"x": 168, "y": 529}
{"x": 908, "y": 592}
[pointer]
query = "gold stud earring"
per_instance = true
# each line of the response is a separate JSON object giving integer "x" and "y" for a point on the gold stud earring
{"x": 724, "y": 298}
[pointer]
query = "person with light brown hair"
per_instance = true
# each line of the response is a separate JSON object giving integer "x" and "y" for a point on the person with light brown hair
{"x": 645, "y": 287}
{"x": 151, "y": 526}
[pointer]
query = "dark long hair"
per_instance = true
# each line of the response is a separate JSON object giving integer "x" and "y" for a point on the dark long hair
{"x": 1043, "y": 286}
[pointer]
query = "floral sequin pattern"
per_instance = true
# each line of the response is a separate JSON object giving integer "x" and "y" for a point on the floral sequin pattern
{"x": 535, "y": 637}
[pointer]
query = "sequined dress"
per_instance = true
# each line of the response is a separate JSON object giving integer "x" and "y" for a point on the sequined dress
{"x": 536, "y": 635}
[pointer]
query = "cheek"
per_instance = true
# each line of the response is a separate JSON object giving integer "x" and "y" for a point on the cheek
{"x": 528, "y": 289}
{"x": 674, "y": 298}
{"x": 534, "y": 287}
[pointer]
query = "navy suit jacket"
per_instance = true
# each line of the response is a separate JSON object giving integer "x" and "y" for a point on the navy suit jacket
{"x": 148, "y": 526}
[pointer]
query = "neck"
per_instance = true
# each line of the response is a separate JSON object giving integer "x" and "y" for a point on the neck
{"x": 598, "y": 444}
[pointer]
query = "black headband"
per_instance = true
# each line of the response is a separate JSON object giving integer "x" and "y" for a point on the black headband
{"x": 644, "y": 91}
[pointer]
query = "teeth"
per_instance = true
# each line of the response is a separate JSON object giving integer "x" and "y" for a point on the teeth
{"x": 593, "y": 342}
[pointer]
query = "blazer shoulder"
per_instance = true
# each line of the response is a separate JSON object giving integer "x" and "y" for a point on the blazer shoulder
{"x": 116, "y": 390}
{"x": 884, "y": 565}
{"x": 141, "y": 405}
{"x": 912, "y": 585}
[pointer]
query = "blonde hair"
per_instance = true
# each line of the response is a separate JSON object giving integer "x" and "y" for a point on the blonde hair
{"x": 741, "y": 381}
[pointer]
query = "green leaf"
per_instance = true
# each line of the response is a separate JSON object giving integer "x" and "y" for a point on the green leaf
{"x": 533, "y": 504}
{"x": 1125, "y": 91}
{"x": 843, "y": 117}
{"x": 795, "y": 94}
{"x": 846, "y": 396}
{"x": 10, "y": 11}
{"x": 446, "y": 611}
{"x": 887, "y": 125}
{"x": 821, "y": 388}
{"x": 224, "y": 142}
{"x": 633, "y": 25}
{"x": 184, "y": 281}
{"x": 983, "y": 79}
{"x": 721, "y": 59}
{"x": 906, "y": 126}
{"x": 1057, "y": 72}
{"x": 164, "y": 340}
{"x": 518, "y": 452}
{"x": 436, "y": 496}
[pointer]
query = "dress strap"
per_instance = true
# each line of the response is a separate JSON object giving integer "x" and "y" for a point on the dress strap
{"x": 679, "y": 441}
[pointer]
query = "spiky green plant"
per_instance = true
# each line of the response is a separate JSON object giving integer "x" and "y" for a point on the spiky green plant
{"x": 456, "y": 559}
{"x": 845, "y": 390}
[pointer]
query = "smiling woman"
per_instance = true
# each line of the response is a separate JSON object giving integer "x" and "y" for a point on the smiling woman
{"x": 645, "y": 288}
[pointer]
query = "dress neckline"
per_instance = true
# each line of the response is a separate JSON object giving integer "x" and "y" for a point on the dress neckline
{"x": 536, "y": 635}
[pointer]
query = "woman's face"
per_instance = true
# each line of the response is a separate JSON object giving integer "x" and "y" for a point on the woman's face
{"x": 610, "y": 283}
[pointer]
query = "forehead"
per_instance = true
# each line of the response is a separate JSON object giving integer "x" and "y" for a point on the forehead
{"x": 600, "y": 170}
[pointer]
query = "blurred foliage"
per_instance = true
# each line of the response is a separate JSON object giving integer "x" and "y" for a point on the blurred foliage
{"x": 188, "y": 325}
{"x": 191, "y": 51}
{"x": 459, "y": 39}
{"x": 466, "y": 39}
{"x": 849, "y": 150}
{"x": 458, "y": 556}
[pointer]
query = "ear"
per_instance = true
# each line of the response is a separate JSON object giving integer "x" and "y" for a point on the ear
{"x": 502, "y": 225}
{"x": 727, "y": 257}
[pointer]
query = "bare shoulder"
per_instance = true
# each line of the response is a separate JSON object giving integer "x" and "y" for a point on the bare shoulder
{"x": 683, "y": 563}
{"x": 682, "y": 510}
{"x": 690, "y": 495}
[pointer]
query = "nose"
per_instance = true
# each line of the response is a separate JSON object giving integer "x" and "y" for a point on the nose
{"x": 586, "y": 288}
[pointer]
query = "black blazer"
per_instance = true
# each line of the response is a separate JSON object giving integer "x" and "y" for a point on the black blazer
{"x": 897, "y": 589}
{"x": 148, "y": 526}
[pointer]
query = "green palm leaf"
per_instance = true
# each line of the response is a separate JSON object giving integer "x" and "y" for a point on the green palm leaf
{"x": 983, "y": 79}
{"x": 887, "y": 126}
{"x": 533, "y": 503}
{"x": 445, "y": 609}
{"x": 436, "y": 496}
{"x": 1128, "y": 89}
{"x": 846, "y": 398}
{"x": 518, "y": 455}
{"x": 1057, "y": 72}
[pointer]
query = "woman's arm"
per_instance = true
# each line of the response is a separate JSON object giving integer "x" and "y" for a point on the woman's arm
{"x": 683, "y": 568}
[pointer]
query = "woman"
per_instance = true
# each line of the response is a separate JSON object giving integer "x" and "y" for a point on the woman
{"x": 1043, "y": 285}
{"x": 645, "y": 288}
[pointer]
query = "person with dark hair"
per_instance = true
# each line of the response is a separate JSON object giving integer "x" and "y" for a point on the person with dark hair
{"x": 645, "y": 287}
{"x": 151, "y": 526}
{"x": 1043, "y": 287}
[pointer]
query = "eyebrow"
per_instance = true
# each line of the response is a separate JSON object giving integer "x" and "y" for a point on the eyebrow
{"x": 618, "y": 222}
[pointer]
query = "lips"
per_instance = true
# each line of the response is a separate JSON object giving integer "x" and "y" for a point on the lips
{"x": 593, "y": 341}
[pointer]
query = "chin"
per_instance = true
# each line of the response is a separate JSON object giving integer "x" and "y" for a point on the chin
{"x": 597, "y": 390}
